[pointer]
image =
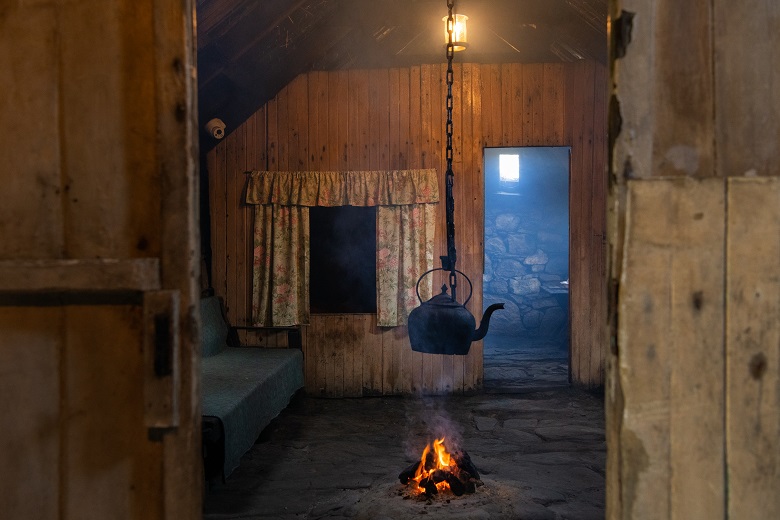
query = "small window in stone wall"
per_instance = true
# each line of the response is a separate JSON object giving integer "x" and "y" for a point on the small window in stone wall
{"x": 508, "y": 169}
{"x": 342, "y": 275}
{"x": 527, "y": 241}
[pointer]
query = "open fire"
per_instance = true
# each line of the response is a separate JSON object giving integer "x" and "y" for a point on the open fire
{"x": 439, "y": 471}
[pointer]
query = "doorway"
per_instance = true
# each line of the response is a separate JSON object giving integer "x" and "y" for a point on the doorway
{"x": 526, "y": 266}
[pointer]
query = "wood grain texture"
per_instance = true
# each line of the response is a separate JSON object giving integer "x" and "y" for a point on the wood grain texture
{"x": 394, "y": 119}
{"x": 30, "y": 356}
{"x": 672, "y": 376}
{"x": 745, "y": 88}
{"x": 101, "y": 184}
{"x": 124, "y": 437}
{"x": 707, "y": 113}
{"x": 753, "y": 348}
{"x": 35, "y": 144}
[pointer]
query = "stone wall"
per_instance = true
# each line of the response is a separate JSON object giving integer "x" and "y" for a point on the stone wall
{"x": 526, "y": 259}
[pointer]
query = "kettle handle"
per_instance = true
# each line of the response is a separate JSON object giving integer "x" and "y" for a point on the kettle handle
{"x": 417, "y": 287}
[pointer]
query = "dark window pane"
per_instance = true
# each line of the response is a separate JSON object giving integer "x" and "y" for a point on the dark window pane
{"x": 343, "y": 260}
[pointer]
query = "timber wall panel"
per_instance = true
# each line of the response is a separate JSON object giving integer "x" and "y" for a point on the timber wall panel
{"x": 394, "y": 119}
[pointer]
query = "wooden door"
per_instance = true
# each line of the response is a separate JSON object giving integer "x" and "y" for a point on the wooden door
{"x": 693, "y": 393}
{"x": 98, "y": 261}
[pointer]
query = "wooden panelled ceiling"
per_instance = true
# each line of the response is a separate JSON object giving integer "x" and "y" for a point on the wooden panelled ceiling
{"x": 249, "y": 49}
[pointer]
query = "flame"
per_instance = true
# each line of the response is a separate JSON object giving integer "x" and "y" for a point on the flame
{"x": 441, "y": 460}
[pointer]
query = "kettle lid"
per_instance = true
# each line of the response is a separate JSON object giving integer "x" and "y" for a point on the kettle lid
{"x": 443, "y": 299}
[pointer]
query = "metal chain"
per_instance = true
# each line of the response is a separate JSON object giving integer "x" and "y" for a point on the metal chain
{"x": 451, "y": 257}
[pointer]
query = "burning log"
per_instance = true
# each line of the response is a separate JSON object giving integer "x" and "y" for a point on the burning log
{"x": 463, "y": 461}
{"x": 429, "y": 486}
{"x": 456, "y": 486}
{"x": 439, "y": 476}
{"x": 438, "y": 471}
{"x": 408, "y": 474}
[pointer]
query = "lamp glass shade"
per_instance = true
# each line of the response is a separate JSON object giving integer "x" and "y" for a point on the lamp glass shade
{"x": 459, "y": 34}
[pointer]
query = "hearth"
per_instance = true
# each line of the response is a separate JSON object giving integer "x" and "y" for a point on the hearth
{"x": 439, "y": 471}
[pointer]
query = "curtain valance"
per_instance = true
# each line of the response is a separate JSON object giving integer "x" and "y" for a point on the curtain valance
{"x": 348, "y": 188}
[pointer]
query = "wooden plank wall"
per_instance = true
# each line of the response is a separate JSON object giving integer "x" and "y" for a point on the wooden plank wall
{"x": 394, "y": 119}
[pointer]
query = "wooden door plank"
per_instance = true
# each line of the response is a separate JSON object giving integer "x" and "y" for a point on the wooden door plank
{"x": 30, "y": 358}
{"x": 672, "y": 377}
{"x": 95, "y": 413}
{"x": 753, "y": 348}
{"x": 696, "y": 344}
{"x": 35, "y": 143}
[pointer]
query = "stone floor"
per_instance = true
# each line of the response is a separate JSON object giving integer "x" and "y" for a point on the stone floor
{"x": 528, "y": 364}
{"x": 538, "y": 445}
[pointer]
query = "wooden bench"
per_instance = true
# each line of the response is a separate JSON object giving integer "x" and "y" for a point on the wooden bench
{"x": 242, "y": 390}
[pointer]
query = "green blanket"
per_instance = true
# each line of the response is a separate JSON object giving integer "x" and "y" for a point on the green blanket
{"x": 244, "y": 387}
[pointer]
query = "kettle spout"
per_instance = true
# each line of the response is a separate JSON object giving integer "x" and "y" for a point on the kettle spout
{"x": 485, "y": 323}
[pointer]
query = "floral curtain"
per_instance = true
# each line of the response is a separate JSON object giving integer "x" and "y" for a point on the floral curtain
{"x": 404, "y": 251}
{"x": 406, "y": 217}
{"x": 280, "y": 273}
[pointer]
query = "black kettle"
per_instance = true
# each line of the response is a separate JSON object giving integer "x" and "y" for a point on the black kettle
{"x": 441, "y": 325}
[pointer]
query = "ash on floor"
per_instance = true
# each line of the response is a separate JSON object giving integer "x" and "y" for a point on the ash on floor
{"x": 541, "y": 455}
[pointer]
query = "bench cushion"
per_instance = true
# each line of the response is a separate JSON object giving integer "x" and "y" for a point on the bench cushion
{"x": 246, "y": 387}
